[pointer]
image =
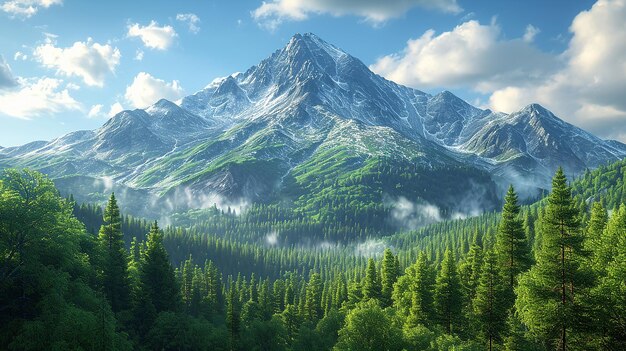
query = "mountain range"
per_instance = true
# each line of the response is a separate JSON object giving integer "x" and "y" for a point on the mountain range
{"x": 289, "y": 127}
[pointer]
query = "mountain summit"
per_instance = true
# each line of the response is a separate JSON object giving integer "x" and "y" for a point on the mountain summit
{"x": 298, "y": 122}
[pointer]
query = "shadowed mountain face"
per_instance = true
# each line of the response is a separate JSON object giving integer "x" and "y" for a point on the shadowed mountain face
{"x": 306, "y": 115}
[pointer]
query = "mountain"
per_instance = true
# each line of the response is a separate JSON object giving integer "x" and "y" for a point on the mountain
{"x": 301, "y": 126}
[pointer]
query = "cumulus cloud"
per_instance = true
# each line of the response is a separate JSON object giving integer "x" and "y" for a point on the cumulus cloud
{"x": 530, "y": 33}
{"x": 192, "y": 21}
{"x": 139, "y": 55}
{"x": 472, "y": 54}
{"x": 98, "y": 111}
{"x": 146, "y": 90}
{"x": 588, "y": 89}
{"x": 271, "y": 14}
{"x": 26, "y": 8}
{"x": 6, "y": 76}
{"x": 20, "y": 56}
{"x": 153, "y": 36}
{"x": 87, "y": 60}
{"x": 35, "y": 97}
{"x": 583, "y": 85}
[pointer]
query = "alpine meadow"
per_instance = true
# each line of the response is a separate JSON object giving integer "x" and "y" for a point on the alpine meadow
{"x": 313, "y": 201}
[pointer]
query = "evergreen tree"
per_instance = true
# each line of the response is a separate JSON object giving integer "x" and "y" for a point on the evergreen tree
{"x": 313, "y": 299}
{"x": 420, "y": 289}
{"x": 550, "y": 296}
{"x": 595, "y": 229}
{"x": 389, "y": 275}
{"x": 291, "y": 321}
{"x": 157, "y": 279}
{"x": 447, "y": 296}
{"x": 186, "y": 283}
{"x": 470, "y": 269}
{"x": 115, "y": 258}
{"x": 369, "y": 328}
{"x": 490, "y": 307}
{"x": 371, "y": 284}
{"x": 511, "y": 245}
{"x": 232, "y": 318}
{"x": 610, "y": 294}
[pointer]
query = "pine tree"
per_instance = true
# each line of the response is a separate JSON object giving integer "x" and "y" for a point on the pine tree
{"x": 157, "y": 278}
{"x": 355, "y": 294}
{"x": 550, "y": 295}
{"x": 115, "y": 279}
{"x": 371, "y": 284}
{"x": 186, "y": 282}
{"x": 291, "y": 321}
{"x": 596, "y": 225}
{"x": 389, "y": 275}
{"x": 232, "y": 318}
{"x": 490, "y": 307}
{"x": 313, "y": 303}
{"x": 469, "y": 270}
{"x": 610, "y": 294}
{"x": 447, "y": 296}
{"x": 511, "y": 245}
{"x": 421, "y": 290}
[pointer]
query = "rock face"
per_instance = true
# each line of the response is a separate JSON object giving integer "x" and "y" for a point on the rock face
{"x": 243, "y": 135}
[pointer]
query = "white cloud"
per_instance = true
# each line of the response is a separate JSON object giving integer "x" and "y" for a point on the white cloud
{"x": 588, "y": 89}
{"x": 146, "y": 90}
{"x": 272, "y": 14}
{"x": 115, "y": 109}
{"x": 87, "y": 60}
{"x": 530, "y": 33}
{"x": 20, "y": 56}
{"x": 472, "y": 54}
{"x": 139, "y": 55}
{"x": 26, "y": 8}
{"x": 6, "y": 76}
{"x": 191, "y": 19}
{"x": 35, "y": 97}
{"x": 153, "y": 36}
{"x": 97, "y": 111}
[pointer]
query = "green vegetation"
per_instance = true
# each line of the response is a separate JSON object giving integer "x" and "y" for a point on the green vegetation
{"x": 549, "y": 276}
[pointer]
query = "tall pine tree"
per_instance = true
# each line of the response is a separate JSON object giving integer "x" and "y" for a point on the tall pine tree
{"x": 114, "y": 267}
{"x": 511, "y": 245}
{"x": 388, "y": 276}
{"x": 447, "y": 296}
{"x": 421, "y": 289}
{"x": 371, "y": 284}
{"x": 490, "y": 308}
{"x": 550, "y": 295}
{"x": 157, "y": 279}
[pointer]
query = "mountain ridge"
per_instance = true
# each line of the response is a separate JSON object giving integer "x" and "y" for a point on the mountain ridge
{"x": 303, "y": 103}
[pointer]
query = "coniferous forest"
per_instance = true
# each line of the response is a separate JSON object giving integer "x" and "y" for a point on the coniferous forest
{"x": 550, "y": 275}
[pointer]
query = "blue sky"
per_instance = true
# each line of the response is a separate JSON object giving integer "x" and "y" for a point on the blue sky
{"x": 70, "y": 64}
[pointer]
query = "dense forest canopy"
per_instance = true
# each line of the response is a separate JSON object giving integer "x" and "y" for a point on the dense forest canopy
{"x": 548, "y": 276}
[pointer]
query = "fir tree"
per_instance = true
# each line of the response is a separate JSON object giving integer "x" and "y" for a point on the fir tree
{"x": 490, "y": 308}
{"x": 389, "y": 275}
{"x": 232, "y": 318}
{"x": 371, "y": 284}
{"x": 447, "y": 296}
{"x": 421, "y": 290}
{"x": 115, "y": 258}
{"x": 157, "y": 279}
{"x": 470, "y": 269}
{"x": 550, "y": 295}
{"x": 595, "y": 228}
{"x": 313, "y": 299}
{"x": 511, "y": 245}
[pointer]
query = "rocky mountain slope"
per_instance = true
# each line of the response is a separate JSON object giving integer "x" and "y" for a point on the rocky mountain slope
{"x": 262, "y": 135}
